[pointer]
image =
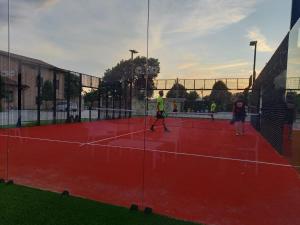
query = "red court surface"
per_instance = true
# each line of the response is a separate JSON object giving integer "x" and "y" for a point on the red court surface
{"x": 200, "y": 171}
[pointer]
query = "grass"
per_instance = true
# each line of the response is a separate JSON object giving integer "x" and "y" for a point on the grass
{"x": 26, "y": 206}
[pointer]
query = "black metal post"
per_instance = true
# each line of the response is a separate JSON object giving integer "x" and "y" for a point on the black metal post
{"x": 131, "y": 79}
{"x": 125, "y": 97}
{"x": 113, "y": 104}
{"x": 54, "y": 95}
{"x": 79, "y": 94}
{"x": 106, "y": 105}
{"x": 131, "y": 85}
{"x": 99, "y": 99}
{"x": 68, "y": 94}
{"x": 120, "y": 105}
{"x": 39, "y": 99}
{"x": 90, "y": 113}
{"x": 254, "y": 43}
{"x": 254, "y": 63}
{"x": 19, "y": 123}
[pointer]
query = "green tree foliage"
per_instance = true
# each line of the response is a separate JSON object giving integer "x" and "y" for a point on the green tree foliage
{"x": 221, "y": 96}
{"x": 2, "y": 88}
{"x": 298, "y": 103}
{"x": 177, "y": 91}
{"x": 122, "y": 72}
{"x": 191, "y": 103}
{"x": 91, "y": 97}
{"x": 2, "y": 91}
{"x": 192, "y": 96}
{"x": 74, "y": 85}
{"x": 47, "y": 92}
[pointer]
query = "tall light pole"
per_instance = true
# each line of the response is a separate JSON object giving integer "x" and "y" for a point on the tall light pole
{"x": 254, "y": 43}
{"x": 132, "y": 51}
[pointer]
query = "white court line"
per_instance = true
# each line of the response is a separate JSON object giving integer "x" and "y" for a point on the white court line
{"x": 114, "y": 137}
{"x": 200, "y": 155}
{"x": 161, "y": 151}
{"x": 40, "y": 139}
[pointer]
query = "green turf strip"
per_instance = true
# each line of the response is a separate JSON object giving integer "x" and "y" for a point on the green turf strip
{"x": 26, "y": 206}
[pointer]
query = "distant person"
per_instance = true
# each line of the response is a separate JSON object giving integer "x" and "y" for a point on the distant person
{"x": 213, "y": 109}
{"x": 175, "y": 107}
{"x": 160, "y": 111}
{"x": 239, "y": 116}
{"x": 76, "y": 119}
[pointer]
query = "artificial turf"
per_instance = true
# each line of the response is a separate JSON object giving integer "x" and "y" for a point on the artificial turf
{"x": 26, "y": 206}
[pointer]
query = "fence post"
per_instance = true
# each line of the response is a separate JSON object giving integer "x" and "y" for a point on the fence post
{"x": 54, "y": 95}
{"x": 19, "y": 123}
{"x": 39, "y": 99}
{"x": 68, "y": 94}
{"x": 125, "y": 97}
{"x": 113, "y": 104}
{"x": 99, "y": 99}
{"x": 79, "y": 94}
{"x": 106, "y": 105}
{"x": 90, "y": 113}
{"x": 120, "y": 105}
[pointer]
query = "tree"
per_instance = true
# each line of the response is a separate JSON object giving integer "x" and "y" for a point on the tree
{"x": 74, "y": 86}
{"x": 192, "y": 96}
{"x": 2, "y": 90}
{"x": 177, "y": 91}
{"x": 47, "y": 92}
{"x": 91, "y": 97}
{"x": 122, "y": 72}
{"x": 191, "y": 103}
{"x": 221, "y": 96}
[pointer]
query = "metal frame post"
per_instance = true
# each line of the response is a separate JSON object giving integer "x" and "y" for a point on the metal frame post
{"x": 39, "y": 99}
{"x": 54, "y": 95}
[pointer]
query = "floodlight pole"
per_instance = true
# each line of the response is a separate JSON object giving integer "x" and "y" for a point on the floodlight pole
{"x": 132, "y": 79}
{"x": 254, "y": 43}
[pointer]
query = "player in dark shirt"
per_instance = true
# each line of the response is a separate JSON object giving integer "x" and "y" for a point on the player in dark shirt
{"x": 239, "y": 115}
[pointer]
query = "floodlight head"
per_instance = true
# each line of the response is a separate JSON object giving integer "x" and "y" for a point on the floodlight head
{"x": 133, "y": 51}
{"x": 253, "y": 43}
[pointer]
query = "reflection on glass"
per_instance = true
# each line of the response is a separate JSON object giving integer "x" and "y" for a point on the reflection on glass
{"x": 292, "y": 146}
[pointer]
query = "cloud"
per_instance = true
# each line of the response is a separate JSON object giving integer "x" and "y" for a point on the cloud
{"x": 195, "y": 69}
{"x": 174, "y": 24}
{"x": 202, "y": 16}
{"x": 21, "y": 10}
{"x": 262, "y": 43}
{"x": 92, "y": 36}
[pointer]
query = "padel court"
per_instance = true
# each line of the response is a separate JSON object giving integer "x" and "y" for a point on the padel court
{"x": 199, "y": 171}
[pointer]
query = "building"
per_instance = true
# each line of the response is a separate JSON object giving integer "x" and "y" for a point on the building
{"x": 29, "y": 69}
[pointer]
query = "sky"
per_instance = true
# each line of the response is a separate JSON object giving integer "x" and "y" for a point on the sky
{"x": 191, "y": 38}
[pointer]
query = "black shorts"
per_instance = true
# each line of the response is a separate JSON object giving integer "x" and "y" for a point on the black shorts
{"x": 160, "y": 114}
{"x": 239, "y": 117}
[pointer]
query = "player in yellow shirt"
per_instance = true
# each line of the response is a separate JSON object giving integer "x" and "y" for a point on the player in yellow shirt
{"x": 160, "y": 113}
{"x": 213, "y": 109}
